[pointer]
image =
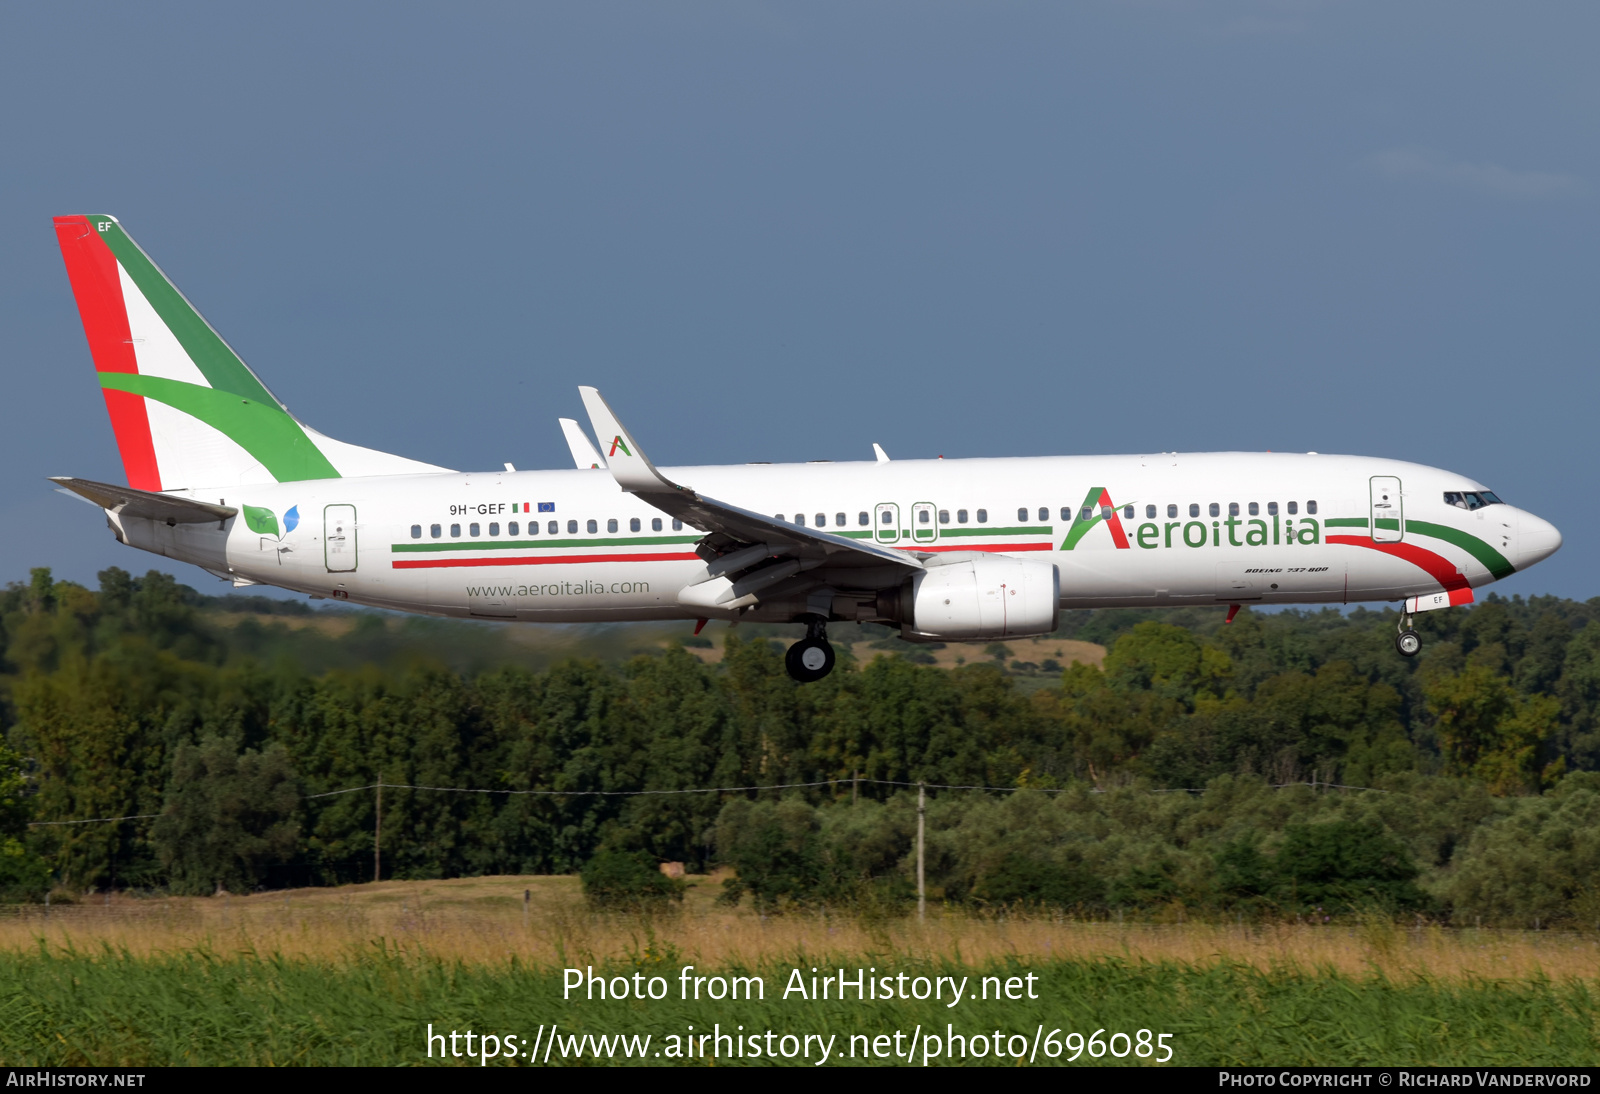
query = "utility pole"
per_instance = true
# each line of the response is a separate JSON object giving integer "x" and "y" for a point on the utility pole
{"x": 377, "y": 836}
{"x": 922, "y": 888}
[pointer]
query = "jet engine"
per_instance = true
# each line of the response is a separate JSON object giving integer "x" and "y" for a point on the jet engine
{"x": 978, "y": 598}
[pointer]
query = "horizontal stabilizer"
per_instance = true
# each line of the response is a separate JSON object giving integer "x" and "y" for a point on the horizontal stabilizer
{"x": 128, "y": 502}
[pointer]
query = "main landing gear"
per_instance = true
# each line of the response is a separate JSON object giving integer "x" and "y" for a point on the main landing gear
{"x": 1408, "y": 641}
{"x": 811, "y": 658}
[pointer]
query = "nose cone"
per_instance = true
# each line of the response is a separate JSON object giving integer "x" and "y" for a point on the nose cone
{"x": 1537, "y": 540}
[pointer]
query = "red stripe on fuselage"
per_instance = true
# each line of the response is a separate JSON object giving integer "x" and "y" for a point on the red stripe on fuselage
{"x": 1437, "y": 567}
{"x": 532, "y": 560}
{"x": 92, "y": 269}
{"x": 974, "y": 547}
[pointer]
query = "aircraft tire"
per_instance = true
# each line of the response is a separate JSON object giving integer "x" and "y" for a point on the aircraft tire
{"x": 809, "y": 660}
{"x": 1408, "y": 643}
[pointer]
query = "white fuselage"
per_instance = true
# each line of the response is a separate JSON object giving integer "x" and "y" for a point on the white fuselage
{"x": 1263, "y": 528}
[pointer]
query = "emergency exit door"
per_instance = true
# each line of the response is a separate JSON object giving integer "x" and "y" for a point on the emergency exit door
{"x": 886, "y": 522}
{"x": 339, "y": 538}
{"x": 1388, "y": 511}
{"x": 924, "y": 529}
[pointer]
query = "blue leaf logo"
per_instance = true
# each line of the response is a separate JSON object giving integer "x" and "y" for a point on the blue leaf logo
{"x": 291, "y": 519}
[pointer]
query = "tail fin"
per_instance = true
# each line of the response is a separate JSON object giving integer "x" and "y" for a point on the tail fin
{"x": 186, "y": 410}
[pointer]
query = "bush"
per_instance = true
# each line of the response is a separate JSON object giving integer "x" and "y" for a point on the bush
{"x": 628, "y": 881}
{"x": 1343, "y": 865}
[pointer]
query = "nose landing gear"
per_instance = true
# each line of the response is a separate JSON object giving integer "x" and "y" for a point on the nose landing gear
{"x": 1408, "y": 641}
{"x": 811, "y": 658}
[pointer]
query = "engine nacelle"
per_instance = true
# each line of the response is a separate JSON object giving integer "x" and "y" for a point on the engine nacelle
{"x": 992, "y": 596}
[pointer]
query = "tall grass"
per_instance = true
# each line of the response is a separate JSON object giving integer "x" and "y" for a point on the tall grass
{"x": 354, "y": 976}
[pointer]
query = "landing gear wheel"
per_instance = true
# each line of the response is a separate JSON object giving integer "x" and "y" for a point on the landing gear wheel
{"x": 1408, "y": 643}
{"x": 809, "y": 660}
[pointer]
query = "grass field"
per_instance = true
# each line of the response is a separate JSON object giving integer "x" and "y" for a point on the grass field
{"x": 356, "y": 974}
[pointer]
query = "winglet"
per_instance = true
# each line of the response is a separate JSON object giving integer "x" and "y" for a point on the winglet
{"x": 877, "y": 450}
{"x": 583, "y": 454}
{"x": 628, "y": 464}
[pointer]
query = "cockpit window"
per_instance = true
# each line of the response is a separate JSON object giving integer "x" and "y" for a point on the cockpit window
{"x": 1471, "y": 499}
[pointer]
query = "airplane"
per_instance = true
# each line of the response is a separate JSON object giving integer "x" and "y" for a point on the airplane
{"x": 221, "y": 475}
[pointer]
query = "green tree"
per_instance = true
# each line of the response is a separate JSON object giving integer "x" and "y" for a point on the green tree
{"x": 229, "y": 815}
{"x": 1490, "y": 731}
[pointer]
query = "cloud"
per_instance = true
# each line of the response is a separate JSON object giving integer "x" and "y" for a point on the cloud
{"x": 1485, "y": 178}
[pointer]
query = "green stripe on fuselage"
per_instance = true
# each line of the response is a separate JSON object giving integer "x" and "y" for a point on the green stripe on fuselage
{"x": 530, "y": 544}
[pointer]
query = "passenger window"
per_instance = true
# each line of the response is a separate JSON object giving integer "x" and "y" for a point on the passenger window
{"x": 1233, "y": 508}
{"x": 961, "y": 516}
{"x": 983, "y": 516}
{"x": 1255, "y": 509}
{"x": 593, "y": 526}
{"x": 1172, "y": 511}
{"x": 472, "y": 530}
{"x": 1088, "y": 513}
{"x": 634, "y": 525}
{"x": 1272, "y": 508}
{"x": 494, "y": 528}
{"x": 1294, "y": 507}
{"x": 1194, "y": 509}
{"x": 1022, "y": 514}
{"x": 611, "y": 525}
{"x": 944, "y": 516}
{"x": 1149, "y": 512}
{"x": 433, "y": 530}
{"x": 862, "y": 519}
{"x": 1215, "y": 509}
{"x": 839, "y": 520}
{"x": 455, "y": 531}
{"x": 1066, "y": 514}
{"x": 1044, "y": 514}
{"x": 777, "y": 516}
{"x": 1105, "y": 512}
{"x": 555, "y": 527}
{"x": 922, "y": 516}
{"x": 1127, "y": 512}
{"x": 822, "y": 520}
{"x": 655, "y": 524}
{"x": 677, "y": 525}
{"x": 886, "y": 517}
{"x": 800, "y": 519}
{"x": 1311, "y": 507}
{"x": 416, "y": 531}
{"x": 513, "y": 529}
{"x": 572, "y": 528}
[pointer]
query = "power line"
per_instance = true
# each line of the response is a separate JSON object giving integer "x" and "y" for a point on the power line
{"x": 716, "y": 790}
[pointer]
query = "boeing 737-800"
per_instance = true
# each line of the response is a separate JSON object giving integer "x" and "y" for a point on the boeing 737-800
{"x": 221, "y": 475}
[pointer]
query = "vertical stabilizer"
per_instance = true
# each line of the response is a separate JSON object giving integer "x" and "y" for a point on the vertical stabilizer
{"x": 186, "y": 410}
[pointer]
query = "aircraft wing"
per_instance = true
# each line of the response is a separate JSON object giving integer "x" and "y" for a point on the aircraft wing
{"x": 126, "y": 501}
{"x": 583, "y": 453}
{"x": 735, "y": 534}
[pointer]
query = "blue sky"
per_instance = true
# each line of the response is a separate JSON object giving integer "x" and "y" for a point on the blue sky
{"x": 785, "y": 231}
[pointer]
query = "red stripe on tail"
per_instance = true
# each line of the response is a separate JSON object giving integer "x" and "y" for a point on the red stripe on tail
{"x": 92, "y": 269}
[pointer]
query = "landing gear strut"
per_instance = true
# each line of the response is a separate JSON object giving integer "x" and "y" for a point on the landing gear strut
{"x": 811, "y": 658}
{"x": 1408, "y": 641}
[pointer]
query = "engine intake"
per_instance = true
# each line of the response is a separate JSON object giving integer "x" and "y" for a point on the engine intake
{"x": 992, "y": 596}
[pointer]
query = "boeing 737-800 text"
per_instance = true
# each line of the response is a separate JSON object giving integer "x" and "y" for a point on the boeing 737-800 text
{"x": 221, "y": 475}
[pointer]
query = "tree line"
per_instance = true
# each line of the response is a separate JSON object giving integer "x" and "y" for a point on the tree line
{"x": 1204, "y": 767}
